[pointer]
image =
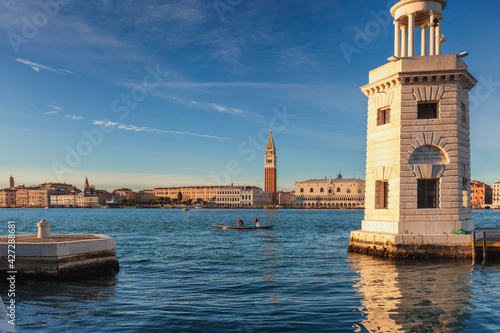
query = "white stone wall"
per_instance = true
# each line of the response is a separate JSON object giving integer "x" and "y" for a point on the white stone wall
{"x": 400, "y": 86}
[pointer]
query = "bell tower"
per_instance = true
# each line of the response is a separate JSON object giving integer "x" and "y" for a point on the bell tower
{"x": 270, "y": 167}
{"x": 418, "y": 144}
{"x": 86, "y": 186}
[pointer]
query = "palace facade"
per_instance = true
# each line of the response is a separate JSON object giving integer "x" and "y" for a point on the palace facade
{"x": 336, "y": 193}
{"x": 243, "y": 196}
{"x": 206, "y": 193}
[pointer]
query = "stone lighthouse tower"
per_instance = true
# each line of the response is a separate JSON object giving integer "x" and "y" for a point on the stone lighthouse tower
{"x": 418, "y": 144}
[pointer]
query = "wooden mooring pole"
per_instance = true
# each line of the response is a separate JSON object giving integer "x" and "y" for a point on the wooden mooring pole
{"x": 485, "y": 255}
{"x": 473, "y": 247}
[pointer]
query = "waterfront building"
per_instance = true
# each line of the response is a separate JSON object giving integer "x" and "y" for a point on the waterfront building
{"x": 7, "y": 197}
{"x": 38, "y": 197}
{"x": 336, "y": 193}
{"x": 121, "y": 192}
{"x": 63, "y": 200}
{"x": 418, "y": 144}
{"x": 145, "y": 196}
{"x": 91, "y": 200}
{"x": 481, "y": 194}
{"x": 270, "y": 182}
{"x": 496, "y": 195}
{"x": 111, "y": 201}
{"x": 206, "y": 193}
{"x": 140, "y": 197}
{"x": 22, "y": 196}
{"x": 243, "y": 196}
{"x": 33, "y": 196}
{"x": 286, "y": 199}
{"x": 59, "y": 187}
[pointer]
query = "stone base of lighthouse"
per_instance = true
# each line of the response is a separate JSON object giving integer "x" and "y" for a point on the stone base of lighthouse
{"x": 411, "y": 246}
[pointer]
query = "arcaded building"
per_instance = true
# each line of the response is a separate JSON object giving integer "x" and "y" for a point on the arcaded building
{"x": 336, "y": 193}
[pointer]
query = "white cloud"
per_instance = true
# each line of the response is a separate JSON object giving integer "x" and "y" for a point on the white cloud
{"x": 51, "y": 113}
{"x": 152, "y": 130}
{"x": 227, "y": 109}
{"x": 37, "y": 67}
{"x": 73, "y": 117}
{"x": 54, "y": 107}
{"x": 66, "y": 71}
{"x": 209, "y": 106}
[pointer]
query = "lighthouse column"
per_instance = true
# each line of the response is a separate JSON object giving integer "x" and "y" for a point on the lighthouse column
{"x": 423, "y": 44}
{"x": 405, "y": 42}
{"x": 411, "y": 35}
{"x": 432, "y": 34}
{"x": 438, "y": 38}
{"x": 397, "y": 39}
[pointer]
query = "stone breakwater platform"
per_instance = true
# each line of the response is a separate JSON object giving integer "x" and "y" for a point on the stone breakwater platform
{"x": 411, "y": 246}
{"x": 415, "y": 246}
{"x": 61, "y": 257}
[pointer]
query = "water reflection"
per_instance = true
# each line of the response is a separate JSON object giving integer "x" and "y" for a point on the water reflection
{"x": 412, "y": 296}
{"x": 41, "y": 302}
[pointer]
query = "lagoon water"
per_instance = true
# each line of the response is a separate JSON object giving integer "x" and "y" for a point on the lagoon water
{"x": 179, "y": 274}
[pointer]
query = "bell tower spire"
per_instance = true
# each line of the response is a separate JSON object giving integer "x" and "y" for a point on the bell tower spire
{"x": 270, "y": 167}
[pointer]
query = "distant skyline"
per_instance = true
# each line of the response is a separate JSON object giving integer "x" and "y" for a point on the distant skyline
{"x": 183, "y": 92}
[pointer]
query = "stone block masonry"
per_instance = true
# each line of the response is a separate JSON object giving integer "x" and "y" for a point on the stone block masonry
{"x": 61, "y": 257}
{"x": 418, "y": 146}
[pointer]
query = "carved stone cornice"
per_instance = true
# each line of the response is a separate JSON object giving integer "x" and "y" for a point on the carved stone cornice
{"x": 460, "y": 76}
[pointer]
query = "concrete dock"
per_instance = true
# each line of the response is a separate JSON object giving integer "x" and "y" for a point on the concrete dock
{"x": 61, "y": 257}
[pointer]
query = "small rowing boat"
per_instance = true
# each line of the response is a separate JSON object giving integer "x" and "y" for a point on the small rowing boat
{"x": 241, "y": 228}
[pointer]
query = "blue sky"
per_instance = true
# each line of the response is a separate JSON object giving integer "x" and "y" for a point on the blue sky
{"x": 165, "y": 93}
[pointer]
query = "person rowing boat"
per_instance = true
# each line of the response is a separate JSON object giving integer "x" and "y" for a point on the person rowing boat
{"x": 240, "y": 222}
{"x": 257, "y": 223}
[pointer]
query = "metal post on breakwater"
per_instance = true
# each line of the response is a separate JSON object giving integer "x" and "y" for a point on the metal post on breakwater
{"x": 484, "y": 248}
{"x": 473, "y": 248}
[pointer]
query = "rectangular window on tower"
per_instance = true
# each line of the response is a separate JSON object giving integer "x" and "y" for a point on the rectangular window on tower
{"x": 381, "y": 194}
{"x": 427, "y": 110}
{"x": 428, "y": 193}
{"x": 383, "y": 116}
